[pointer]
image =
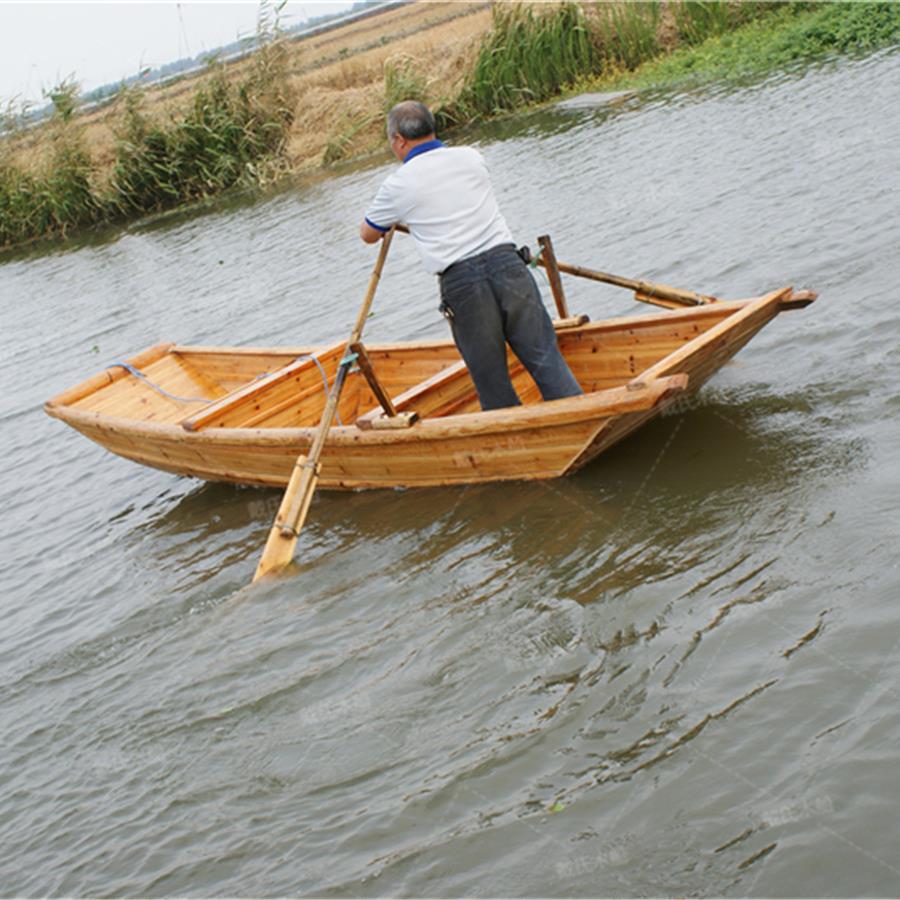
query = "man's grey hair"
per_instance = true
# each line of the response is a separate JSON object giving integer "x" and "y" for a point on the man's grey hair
{"x": 410, "y": 119}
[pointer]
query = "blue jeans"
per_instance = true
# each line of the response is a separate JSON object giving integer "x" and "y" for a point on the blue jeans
{"x": 490, "y": 299}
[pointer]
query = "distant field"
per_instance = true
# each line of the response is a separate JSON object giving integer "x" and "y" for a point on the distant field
{"x": 338, "y": 77}
{"x": 300, "y": 104}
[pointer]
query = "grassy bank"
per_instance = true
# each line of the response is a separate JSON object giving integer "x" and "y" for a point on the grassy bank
{"x": 529, "y": 57}
{"x": 290, "y": 107}
{"x": 791, "y": 34}
{"x": 531, "y": 54}
{"x": 233, "y": 133}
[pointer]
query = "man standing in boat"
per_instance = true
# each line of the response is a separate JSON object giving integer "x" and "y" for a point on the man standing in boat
{"x": 444, "y": 196}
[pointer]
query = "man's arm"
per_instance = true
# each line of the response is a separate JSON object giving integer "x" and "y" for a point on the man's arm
{"x": 381, "y": 214}
{"x": 369, "y": 233}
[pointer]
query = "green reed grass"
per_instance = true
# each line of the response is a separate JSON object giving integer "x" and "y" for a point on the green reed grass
{"x": 58, "y": 196}
{"x": 626, "y": 34}
{"x": 697, "y": 20}
{"x": 530, "y": 56}
{"x": 403, "y": 81}
{"x": 791, "y": 34}
{"x": 21, "y": 213}
{"x": 229, "y": 136}
{"x": 233, "y": 133}
{"x": 340, "y": 143}
{"x": 526, "y": 57}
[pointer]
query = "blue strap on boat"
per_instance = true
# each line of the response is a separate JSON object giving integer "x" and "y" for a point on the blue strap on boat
{"x": 327, "y": 386}
{"x": 315, "y": 359}
{"x": 349, "y": 358}
{"x": 152, "y": 384}
{"x": 161, "y": 390}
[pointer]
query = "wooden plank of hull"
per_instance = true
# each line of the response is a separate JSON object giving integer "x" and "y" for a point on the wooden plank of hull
{"x": 719, "y": 339}
{"x": 536, "y": 453}
{"x": 399, "y": 365}
{"x": 699, "y": 359}
{"x": 128, "y": 396}
{"x": 404, "y": 365}
{"x": 235, "y": 371}
{"x": 255, "y": 401}
{"x": 105, "y": 378}
{"x": 441, "y": 352}
{"x": 600, "y": 358}
{"x": 519, "y": 443}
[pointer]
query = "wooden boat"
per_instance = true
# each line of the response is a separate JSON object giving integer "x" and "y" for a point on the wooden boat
{"x": 245, "y": 414}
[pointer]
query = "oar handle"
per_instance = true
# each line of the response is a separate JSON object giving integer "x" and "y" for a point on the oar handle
{"x": 373, "y": 285}
{"x": 291, "y": 521}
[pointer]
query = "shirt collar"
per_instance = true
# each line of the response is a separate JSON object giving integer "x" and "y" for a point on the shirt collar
{"x": 422, "y": 148}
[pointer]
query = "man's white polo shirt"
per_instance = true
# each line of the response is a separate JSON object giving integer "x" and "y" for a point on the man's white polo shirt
{"x": 444, "y": 195}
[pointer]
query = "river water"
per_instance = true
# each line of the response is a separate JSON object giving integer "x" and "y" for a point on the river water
{"x": 676, "y": 672}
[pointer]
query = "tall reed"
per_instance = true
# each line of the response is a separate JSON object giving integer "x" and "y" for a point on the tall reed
{"x": 233, "y": 133}
{"x": 58, "y": 195}
{"x": 777, "y": 38}
{"x": 524, "y": 58}
{"x": 626, "y": 34}
{"x": 403, "y": 80}
{"x": 697, "y": 21}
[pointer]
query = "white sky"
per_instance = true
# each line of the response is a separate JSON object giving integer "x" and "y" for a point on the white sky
{"x": 42, "y": 43}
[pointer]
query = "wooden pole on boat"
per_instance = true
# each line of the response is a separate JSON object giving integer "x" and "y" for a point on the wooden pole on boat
{"x": 282, "y": 540}
{"x": 647, "y": 291}
{"x": 375, "y": 386}
{"x": 548, "y": 259}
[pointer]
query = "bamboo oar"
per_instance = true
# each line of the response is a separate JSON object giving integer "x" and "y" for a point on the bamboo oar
{"x": 282, "y": 540}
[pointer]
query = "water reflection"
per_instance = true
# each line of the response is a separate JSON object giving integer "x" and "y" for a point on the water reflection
{"x": 643, "y": 511}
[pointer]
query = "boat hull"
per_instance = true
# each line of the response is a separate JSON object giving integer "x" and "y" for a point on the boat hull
{"x": 428, "y": 454}
{"x": 538, "y": 440}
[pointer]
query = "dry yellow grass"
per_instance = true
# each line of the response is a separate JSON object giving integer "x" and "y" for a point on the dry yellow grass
{"x": 346, "y": 97}
{"x": 337, "y": 76}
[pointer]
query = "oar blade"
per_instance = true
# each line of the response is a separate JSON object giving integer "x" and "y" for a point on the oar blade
{"x": 278, "y": 553}
{"x": 282, "y": 540}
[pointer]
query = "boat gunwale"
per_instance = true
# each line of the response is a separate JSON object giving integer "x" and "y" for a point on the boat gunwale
{"x": 609, "y": 414}
{"x": 571, "y": 410}
{"x": 102, "y": 379}
{"x": 615, "y": 323}
{"x": 597, "y": 405}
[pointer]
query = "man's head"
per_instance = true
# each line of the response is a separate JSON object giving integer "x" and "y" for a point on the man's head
{"x": 409, "y": 123}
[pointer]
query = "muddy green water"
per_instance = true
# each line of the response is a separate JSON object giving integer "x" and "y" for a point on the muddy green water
{"x": 674, "y": 673}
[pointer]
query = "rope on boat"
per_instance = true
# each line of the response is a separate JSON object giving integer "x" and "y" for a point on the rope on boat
{"x": 161, "y": 390}
{"x": 152, "y": 384}
{"x": 327, "y": 386}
